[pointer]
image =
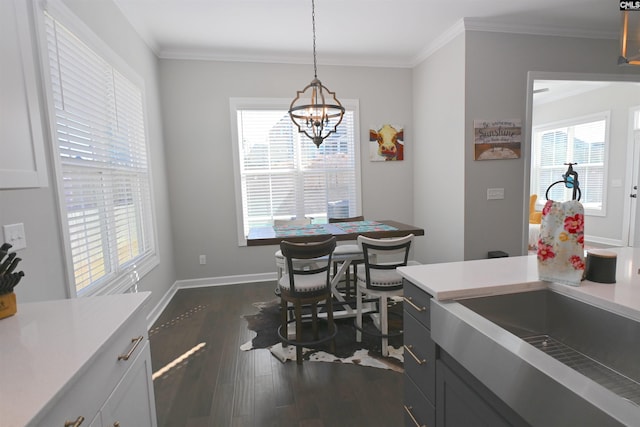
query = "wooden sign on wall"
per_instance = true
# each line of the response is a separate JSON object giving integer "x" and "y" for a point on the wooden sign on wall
{"x": 497, "y": 139}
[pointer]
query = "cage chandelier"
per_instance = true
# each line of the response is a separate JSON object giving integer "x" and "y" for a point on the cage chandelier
{"x": 315, "y": 110}
{"x": 630, "y": 38}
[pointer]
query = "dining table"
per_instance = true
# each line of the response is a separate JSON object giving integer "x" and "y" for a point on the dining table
{"x": 379, "y": 229}
{"x": 342, "y": 231}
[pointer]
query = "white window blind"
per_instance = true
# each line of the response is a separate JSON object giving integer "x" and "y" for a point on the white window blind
{"x": 582, "y": 141}
{"x": 101, "y": 162}
{"x": 283, "y": 175}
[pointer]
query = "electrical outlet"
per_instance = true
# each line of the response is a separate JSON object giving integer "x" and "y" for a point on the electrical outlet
{"x": 203, "y": 259}
{"x": 14, "y": 235}
{"x": 495, "y": 193}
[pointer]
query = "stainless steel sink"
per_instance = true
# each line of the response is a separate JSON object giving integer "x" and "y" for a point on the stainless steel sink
{"x": 599, "y": 344}
{"x": 555, "y": 360}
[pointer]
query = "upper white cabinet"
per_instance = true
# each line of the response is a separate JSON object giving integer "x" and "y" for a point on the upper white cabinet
{"x": 22, "y": 158}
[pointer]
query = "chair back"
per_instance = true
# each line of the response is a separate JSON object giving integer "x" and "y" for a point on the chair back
{"x": 319, "y": 253}
{"x": 384, "y": 254}
{"x": 350, "y": 219}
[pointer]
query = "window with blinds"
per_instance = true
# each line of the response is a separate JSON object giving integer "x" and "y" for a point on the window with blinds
{"x": 583, "y": 141}
{"x": 281, "y": 174}
{"x": 101, "y": 162}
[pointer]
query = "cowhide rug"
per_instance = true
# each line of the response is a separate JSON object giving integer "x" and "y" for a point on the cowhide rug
{"x": 366, "y": 353}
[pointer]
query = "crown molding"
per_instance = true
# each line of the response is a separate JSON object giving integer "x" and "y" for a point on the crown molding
{"x": 460, "y": 27}
{"x": 442, "y": 40}
{"x": 271, "y": 58}
{"x": 477, "y": 24}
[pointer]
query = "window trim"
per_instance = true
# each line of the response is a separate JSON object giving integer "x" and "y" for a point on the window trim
{"x": 125, "y": 279}
{"x": 573, "y": 121}
{"x": 236, "y": 103}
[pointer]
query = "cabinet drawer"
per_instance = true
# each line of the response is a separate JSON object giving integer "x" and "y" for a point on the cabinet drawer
{"x": 420, "y": 356}
{"x": 97, "y": 379}
{"x": 416, "y": 302}
{"x": 418, "y": 411}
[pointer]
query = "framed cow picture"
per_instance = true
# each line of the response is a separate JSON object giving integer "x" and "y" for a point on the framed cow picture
{"x": 386, "y": 143}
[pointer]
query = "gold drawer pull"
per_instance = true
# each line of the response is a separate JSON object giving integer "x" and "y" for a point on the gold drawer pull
{"x": 75, "y": 423}
{"x": 418, "y": 361}
{"x": 409, "y": 300}
{"x": 137, "y": 341}
{"x": 408, "y": 409}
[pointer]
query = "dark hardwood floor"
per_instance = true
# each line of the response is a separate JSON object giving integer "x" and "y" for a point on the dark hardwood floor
{"x": 220, "y": 385}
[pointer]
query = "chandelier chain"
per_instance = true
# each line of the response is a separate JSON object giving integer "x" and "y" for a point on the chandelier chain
{"x": 313, "y": 22}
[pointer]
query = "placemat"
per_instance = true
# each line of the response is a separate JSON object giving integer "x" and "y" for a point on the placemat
{"x": 363, "y": 226}
{"x": 300, "y": 230}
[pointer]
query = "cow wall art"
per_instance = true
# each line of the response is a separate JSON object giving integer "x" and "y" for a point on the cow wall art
{"x": 386, "y": 143}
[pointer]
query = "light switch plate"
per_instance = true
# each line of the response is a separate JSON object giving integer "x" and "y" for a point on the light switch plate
{"x": 495, "y": 193}
{"x": 14, "y": 235}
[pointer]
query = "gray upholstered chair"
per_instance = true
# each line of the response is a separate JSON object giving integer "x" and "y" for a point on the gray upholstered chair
{"x": 377, "y": 278}
{"x": 306, "y": 282}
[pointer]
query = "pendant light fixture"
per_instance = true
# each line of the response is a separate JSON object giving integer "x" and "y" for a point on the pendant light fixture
{"x": 315, "y": 110}
{"x": 630, "y": 38}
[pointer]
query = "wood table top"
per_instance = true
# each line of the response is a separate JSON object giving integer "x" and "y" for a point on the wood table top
{"x": 260, "y": 236}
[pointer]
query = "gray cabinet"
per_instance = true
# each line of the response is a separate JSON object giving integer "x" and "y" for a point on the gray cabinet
{"x": 462, "y": 401}
{"x": 419, "y": 359}
{"x": 438, "y": 391}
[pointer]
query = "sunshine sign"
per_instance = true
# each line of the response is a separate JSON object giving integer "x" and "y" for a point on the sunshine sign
{"x": 497, "y": 139}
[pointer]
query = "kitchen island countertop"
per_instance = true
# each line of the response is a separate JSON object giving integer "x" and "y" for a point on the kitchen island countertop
{"x": 466, "y": 279}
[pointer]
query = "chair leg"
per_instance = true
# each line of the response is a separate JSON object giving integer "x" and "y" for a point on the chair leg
{"x": 332, "y": 325}
{"x": 298, "y": 310}
{"x": 358, "y": 314}
{"x": 348, "y": 282}
{"x": 283, "y": 320}
{"x": 384, "y": 325}
{"x": 314, "y": 320}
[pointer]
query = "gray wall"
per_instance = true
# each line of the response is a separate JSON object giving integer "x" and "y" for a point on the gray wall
{"x": 195, "y": 105}
{"x": 43, "y": 262}
{"x": 495, "y": 67}
{"x": 438, "y": 111}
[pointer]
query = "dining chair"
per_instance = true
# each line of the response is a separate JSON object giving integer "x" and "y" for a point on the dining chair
{"x": 280, "y": 260}
{"x": 305, "y": 284}
{"x": 347, "y": 250}
{"x": 377, "y": 278}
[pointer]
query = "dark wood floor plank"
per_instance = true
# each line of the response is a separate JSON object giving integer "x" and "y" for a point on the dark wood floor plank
{"x": 222, "y": 405}
{"x": 223, "y": 386}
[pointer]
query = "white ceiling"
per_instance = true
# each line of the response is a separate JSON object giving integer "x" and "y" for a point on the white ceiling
{"x": 350, "y": 32}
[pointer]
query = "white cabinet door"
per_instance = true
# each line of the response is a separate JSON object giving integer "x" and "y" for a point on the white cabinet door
{"x": 22, "y": 158}
{"x": 132, "y": 403}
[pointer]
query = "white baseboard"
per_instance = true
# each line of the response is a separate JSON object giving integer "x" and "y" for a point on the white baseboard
{"x": 202, "y": 283}
{"x": 211, "y": 281}
{"x": 603, "y": 241}
{"x": 226, "y": 280}
{"x": 162, "y": 304}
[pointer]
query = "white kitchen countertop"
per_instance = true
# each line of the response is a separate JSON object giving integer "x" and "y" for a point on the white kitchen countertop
{"x": 46, "y": 345}
{"x": 465, "y": 279}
